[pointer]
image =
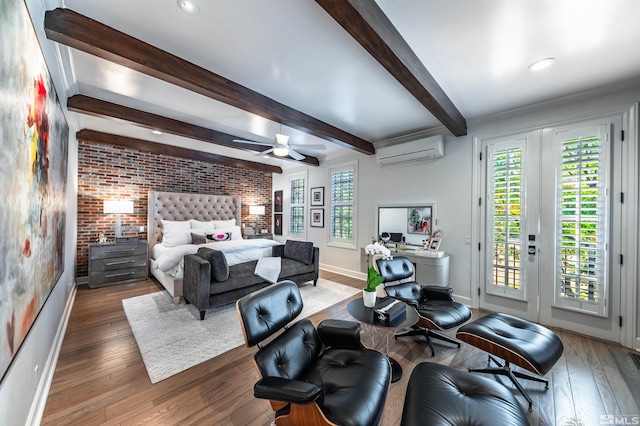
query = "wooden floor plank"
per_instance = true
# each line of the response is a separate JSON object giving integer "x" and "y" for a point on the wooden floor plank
{"x": 100, "y": 377}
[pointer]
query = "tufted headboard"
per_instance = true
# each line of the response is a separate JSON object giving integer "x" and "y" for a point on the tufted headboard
{"x": 184, "y": 206}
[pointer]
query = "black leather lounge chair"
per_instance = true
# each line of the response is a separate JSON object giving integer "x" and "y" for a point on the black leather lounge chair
{"x": 436, "y": 308}
{"x": 312, "y": 377}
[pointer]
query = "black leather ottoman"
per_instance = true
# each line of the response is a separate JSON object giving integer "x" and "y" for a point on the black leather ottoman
{"x": 521, "y": 342}
{"x": 438, "y": 395}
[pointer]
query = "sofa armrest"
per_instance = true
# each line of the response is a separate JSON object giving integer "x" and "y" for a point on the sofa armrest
{"x": 197, "y": 281}
{"x": 287, "y": 390}
{"x": 434, "y": 292}
{"x": 339, "y": 333}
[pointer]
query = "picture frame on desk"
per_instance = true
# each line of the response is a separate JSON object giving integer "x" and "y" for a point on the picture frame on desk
{"x": 317, "y": 218}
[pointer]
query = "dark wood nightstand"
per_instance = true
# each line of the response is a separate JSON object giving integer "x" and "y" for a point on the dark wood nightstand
{"x": 117, "y": 263}
{"x": 255, "y": 236}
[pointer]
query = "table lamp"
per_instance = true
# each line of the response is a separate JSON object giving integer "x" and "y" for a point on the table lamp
{"x": 118, "y": 207}
{"x": 258, "y": 211}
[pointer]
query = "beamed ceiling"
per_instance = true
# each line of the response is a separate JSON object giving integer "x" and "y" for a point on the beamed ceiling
{"x": 347, "y": 74}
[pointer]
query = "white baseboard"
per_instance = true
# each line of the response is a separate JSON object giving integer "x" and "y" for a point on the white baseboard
{"x": 42, "y": 393}
{"x": 345, "y": 272}
{"x": 637, "y": 348}
{"x": 463, "y": 300}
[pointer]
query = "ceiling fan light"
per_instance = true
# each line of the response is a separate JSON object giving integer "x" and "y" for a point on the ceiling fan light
{"x": 189, "y": 7}
{"x": 282, "y": 139}
{"x": 541, "y": 64}
{"x": 281, "y": 152}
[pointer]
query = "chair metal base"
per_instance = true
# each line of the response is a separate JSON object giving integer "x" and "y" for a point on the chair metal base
{"x": 505, "y": 370}
{"x": 428, "y": 334}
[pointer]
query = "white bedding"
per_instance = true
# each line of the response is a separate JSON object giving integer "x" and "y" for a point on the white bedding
{"x": 170, "y": 260}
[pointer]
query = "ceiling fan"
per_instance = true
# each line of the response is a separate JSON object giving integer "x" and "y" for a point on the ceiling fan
{"x": 281, "y": 147}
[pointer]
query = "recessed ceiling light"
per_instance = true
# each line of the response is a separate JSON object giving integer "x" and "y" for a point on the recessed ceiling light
{"x": 541, "y": 64}
{"x": 189, "y": 7}
{"x": 156, "y": 132}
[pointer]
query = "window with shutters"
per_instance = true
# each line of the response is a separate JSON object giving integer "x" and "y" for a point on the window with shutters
{"x": 582, "y": 179}
{"x": 343, "y": 205}
{"x": 297, "y": 205}
{"x": 506, "y": 205}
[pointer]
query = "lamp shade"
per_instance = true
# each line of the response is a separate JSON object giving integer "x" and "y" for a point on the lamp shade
{"x": 257, "y": 210}
{"x": 118, "y": 206}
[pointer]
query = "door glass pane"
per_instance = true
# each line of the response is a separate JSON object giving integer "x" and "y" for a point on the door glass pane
{"x": 506, "y": 218}
{"x": 581, "y": 213}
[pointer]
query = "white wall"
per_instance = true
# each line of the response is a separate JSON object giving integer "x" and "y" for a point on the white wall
{"x": 444, "y": 181}
{"x": 22, "y": 392}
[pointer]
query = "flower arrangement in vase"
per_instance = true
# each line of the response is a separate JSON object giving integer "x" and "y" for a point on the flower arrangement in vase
{"x": 373, "y": 277}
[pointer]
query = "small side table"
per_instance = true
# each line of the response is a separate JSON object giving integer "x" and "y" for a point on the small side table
{"x": 365, "y": 315}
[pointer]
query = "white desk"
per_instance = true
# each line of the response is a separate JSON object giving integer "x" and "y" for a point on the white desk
{"x": 429, "y": 270}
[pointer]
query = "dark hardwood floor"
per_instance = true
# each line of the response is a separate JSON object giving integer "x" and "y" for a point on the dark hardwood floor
{"x": 100, "y": 377}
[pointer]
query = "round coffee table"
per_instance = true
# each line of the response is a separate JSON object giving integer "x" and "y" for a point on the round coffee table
{"x": 365, "y": 315}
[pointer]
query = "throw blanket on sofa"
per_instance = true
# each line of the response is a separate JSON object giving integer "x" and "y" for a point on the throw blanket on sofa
{"x": 170, "y": 260}
{"x": 268, "y": 268}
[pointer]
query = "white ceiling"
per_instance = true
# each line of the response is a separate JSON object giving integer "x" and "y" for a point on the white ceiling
{"x": 293, "y": 52}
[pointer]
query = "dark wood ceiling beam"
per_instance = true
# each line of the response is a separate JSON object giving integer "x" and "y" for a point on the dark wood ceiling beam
{"x": 103, "y": 109}
{"x": 369, "y": 26}
{"x": 80, "y": 32}
{"x": 176, "y": 151}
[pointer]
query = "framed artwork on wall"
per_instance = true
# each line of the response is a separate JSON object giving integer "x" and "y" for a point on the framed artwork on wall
{"x": 317, "y": 218}
{"x": 317, "y": 196}
{"x": 277, "y": 201}
{"x": 36, "y": 143}
{"x": 277, "y": 224}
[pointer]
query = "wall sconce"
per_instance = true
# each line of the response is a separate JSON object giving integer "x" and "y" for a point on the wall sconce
{"x": 258, "y": 211}
{"x": 118, "y": 207}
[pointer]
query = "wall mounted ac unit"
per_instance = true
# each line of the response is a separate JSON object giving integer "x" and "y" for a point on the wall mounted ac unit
{"x": 419, "y": 150}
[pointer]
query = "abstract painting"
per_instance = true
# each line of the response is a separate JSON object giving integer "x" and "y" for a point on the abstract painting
{"x": 34, "y": 140}
{"x": 419, "y": 220}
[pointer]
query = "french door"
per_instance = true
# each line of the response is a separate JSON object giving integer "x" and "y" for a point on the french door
{"x": 549, "y": 230}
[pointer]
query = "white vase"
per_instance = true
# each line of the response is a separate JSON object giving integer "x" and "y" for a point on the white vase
{"x": 369, "y": 298}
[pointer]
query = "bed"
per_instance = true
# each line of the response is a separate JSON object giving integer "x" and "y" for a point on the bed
{"x": 166, "y": 262}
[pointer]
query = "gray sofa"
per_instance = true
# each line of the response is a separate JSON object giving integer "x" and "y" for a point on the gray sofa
{"x": 209, "y": 282}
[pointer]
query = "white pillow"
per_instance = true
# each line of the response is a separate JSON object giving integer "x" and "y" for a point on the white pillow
{"x": 236, "y": 233}
{"x": 176, "y": 237}
{"x": 196, "y": 224}
{"x": 175, "y": 225}
{"x": 221, "y": 224}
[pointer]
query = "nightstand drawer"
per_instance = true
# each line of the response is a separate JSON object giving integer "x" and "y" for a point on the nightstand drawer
{"x": 114, "y": 263}
{"x": 117, "y": 276}
{"x": 101, "y": 251}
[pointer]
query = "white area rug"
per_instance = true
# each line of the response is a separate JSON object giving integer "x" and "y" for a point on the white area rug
{"x": 171, "y": 338}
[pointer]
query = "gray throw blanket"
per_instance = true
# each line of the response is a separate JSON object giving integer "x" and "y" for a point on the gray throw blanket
{"x": 268, "y": 268}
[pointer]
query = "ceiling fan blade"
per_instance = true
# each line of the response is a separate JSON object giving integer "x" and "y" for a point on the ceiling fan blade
{"x": 270, "y": 150}
{"x": 296, "y": 155}
{"x": 252, "y": 142}
{"x": 318, "y": 147}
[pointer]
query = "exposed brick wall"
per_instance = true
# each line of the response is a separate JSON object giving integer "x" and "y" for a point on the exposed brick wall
{"x": 109, "y": 172}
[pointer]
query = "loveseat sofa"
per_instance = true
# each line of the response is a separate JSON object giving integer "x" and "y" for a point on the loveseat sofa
{"x": 209, "y": 282}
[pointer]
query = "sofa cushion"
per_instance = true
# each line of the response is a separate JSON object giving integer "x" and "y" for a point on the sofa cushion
{"x": 291, "y": 267}
{"x": 240, "y": 276}
{"x": 219, "y": 266}
{"x": 299, "y": 250}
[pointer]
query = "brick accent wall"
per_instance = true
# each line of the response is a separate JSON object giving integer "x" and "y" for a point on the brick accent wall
{"x": 109, "y": 172}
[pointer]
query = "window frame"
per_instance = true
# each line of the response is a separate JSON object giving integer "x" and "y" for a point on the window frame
{"x": 343, "y": 242}
{"x": 302, "y": 206}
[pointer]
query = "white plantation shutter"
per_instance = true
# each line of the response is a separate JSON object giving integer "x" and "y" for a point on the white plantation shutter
{"x": 581, "y": 212}
{"x": 342, "y": 205}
